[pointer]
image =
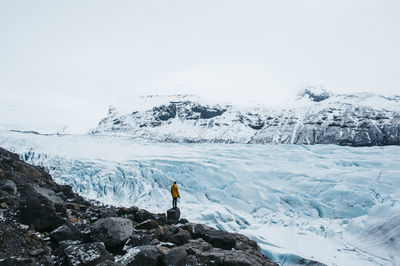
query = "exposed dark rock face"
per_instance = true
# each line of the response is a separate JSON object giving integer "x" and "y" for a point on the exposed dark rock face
{"x": 43, "y": 223}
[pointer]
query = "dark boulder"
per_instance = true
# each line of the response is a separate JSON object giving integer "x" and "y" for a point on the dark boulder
{"x": 87, "y": 254}
{"x": 8, "y": 186}
{"x": 216, "y": 238}
{"x": 196, "y": 246}
{"x": 38, "y": 210}
{"x": 140, "y": 256}
{"x": 113, "y": 231}
{"x": 139, "y": 239}
{"x": 220, "y": 239}
{"x": 141, "y": 215}
{"x": 65, "y": 232}
{"x": 147, "y": 225}
{"x": 173, "y": 215}
{"x": 180, "y": 238}
{"x": 174, "y": 257}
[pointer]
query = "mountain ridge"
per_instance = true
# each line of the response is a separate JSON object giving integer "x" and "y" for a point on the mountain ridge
{"x": 315, "y": 116}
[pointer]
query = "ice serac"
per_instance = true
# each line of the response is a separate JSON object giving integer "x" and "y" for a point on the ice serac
{"x": 315, "y": 116}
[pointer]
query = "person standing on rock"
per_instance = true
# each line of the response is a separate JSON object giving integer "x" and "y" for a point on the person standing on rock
{"x": 175, "y": 195}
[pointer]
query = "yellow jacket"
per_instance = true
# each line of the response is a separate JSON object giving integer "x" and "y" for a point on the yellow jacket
{"x": 174, "y": 191}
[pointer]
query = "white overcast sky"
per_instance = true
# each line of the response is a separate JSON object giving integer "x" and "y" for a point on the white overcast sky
{"x": 97, "y": 52}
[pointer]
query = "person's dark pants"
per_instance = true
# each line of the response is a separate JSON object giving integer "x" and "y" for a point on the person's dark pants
{"x": 174, "y": 202}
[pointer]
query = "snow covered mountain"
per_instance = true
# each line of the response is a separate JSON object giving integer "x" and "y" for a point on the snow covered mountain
{"x": 315, "y": 116}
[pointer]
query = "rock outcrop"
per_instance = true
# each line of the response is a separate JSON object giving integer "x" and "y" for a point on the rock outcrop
{"x": 43, "y": 223}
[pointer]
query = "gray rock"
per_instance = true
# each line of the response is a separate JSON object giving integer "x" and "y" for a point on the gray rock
{"x": 173, "y": 215}
{"x": 65, "y": 232}
{"x": 8, "y": 186}
{"x": 113, "y": 231}
{"x": 87, "y": 254}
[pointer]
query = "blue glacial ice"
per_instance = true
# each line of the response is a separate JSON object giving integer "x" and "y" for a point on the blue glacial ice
{"x": 336, "y": 205}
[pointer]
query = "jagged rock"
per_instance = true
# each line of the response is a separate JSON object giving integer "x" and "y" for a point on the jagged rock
{"x": 38, "y": 210}
{"x": 148, "y": 224}
{"x": 180, "y": 238}
{"x": 174, "y": 257}
{"x": 173, "y": 215}
{"x": 65, "y": 232}
{"x": 8, "y": 186}
{"x": 113, "y": 231}
{"x": 87, "y": 254}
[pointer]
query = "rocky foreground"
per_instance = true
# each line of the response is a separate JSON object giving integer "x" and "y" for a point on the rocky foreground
{"x": 43, "y": 223}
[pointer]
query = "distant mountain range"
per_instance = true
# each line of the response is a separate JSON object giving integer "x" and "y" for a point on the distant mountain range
{"x": 315, "y": 116}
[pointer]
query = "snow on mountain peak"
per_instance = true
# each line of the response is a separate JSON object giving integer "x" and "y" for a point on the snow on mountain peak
{"x": 316, "y": 117}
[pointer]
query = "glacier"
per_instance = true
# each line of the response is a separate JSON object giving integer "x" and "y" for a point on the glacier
{"x": 302, "y": 204}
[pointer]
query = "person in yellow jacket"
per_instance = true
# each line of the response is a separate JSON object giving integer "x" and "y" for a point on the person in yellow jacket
{"x": 175, "y": 194}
